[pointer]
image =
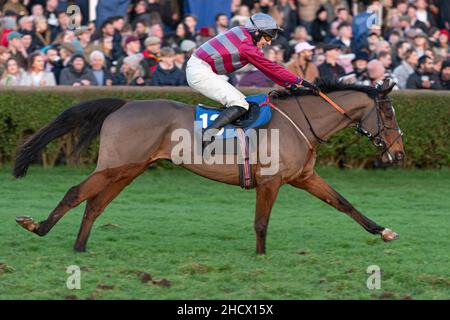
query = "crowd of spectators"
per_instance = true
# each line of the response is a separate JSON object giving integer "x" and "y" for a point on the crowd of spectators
{"x": 352, "y": 41}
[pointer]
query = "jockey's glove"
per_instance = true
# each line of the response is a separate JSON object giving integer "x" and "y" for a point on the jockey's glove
{"x": 311, "y": 86}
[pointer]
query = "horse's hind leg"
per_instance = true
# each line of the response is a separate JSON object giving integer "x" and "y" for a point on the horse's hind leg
{"x": 322, "y": 190}
{"x": 96, "y": 205}
{"x": 77, "y": 194}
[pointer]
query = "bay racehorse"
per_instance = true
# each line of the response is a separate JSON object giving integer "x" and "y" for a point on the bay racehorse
{"x": 134, "y": 134}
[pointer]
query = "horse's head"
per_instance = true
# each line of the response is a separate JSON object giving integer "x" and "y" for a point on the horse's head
{"x": 380, "y": 125}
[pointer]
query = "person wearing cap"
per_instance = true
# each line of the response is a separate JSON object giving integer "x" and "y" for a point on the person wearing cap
{"x": 424, "y": 77}
{"x": 66, "y": 51}
{"x": 132, "y": 46}
{"x": 444, "y": 37}
{"x": 301, "y": 63}
{"x": 166, "y": 73}
{"x": 184, "y": 53}
{"x": 151, "y": 55}
{"x": 360, "y": 67}
{"x": 18, "y": 51}
{"x": 445, "y": 75}
{"x": 77, "y": 73}
{"x": 131, "y": 72}
{"x": 205, "y": 34}
{"x": 7, "y": 24}
{"x": 228, "y": 52}
{"x": 330, "y": 69}
{"x": 188, "y": 47}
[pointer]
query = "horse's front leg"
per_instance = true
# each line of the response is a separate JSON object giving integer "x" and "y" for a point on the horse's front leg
{"x": 319, "y": 188}
{"x": 266, "y": 195}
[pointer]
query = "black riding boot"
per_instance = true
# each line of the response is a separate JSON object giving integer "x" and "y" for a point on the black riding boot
{"x": 226, "y": 117}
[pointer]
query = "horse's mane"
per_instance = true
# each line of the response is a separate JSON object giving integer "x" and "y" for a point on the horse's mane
{"x": 325, "y": 86}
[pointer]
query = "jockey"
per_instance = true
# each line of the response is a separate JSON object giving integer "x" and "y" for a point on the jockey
{"x": 228, "y": 52}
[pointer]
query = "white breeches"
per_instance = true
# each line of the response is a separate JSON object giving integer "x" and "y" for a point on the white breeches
{"x": 203, "y": 79}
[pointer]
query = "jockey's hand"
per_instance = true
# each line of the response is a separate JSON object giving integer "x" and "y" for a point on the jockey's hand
{"x": 294, "y": 88}
{"x": 311, "y": 86}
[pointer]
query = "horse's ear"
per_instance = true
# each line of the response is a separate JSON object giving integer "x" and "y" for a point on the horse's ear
{"x": 385, "y": 87}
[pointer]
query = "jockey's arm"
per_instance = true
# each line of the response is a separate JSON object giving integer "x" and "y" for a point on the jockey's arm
{"x": 272, "y": 70}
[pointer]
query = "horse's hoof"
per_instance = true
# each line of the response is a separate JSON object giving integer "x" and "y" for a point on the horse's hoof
{"x": 389, "y": 235}
{"x": 27, "y": 223}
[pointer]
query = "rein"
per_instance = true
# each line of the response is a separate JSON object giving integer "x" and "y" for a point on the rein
{"x": 375, "y": 139}
{"x": 309, "y": 122}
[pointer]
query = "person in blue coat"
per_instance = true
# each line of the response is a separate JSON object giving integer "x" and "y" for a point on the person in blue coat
{"x": 166, "y": 73}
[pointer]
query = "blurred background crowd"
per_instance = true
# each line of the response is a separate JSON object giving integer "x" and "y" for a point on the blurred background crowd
{"x": 148, "y": 42}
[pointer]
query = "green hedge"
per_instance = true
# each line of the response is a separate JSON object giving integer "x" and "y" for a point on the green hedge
{"x": 423, "y": 116}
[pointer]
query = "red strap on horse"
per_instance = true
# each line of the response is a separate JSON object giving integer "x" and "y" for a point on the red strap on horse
{"x": 331, "y": 102}
{"x": 266, "y": 102}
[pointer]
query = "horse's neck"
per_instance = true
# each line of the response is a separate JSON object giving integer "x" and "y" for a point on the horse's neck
{"x": 326, "y": 120}
{"x": 355, "y": 105}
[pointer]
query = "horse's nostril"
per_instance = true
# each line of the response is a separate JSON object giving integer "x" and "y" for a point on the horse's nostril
{"x": 399, "y": 156}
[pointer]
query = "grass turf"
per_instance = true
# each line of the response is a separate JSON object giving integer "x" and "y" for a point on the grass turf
{"x": 199, "y": 235}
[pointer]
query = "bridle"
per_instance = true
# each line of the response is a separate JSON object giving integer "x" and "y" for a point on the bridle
{"x": 376, "y": 138}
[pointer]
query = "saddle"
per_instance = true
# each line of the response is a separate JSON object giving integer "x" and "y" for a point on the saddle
{"x": 258, "y": 115}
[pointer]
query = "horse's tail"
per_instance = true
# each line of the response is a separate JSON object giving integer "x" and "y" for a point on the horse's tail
{"x": 84, "y": 119}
